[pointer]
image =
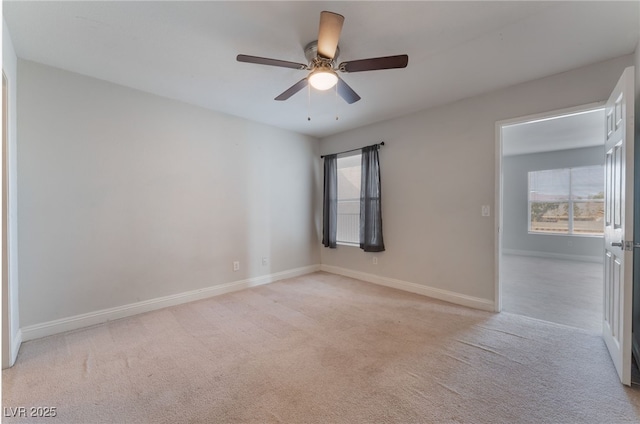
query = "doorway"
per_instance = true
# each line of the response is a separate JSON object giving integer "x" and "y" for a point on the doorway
{"x": 551, "y": 204}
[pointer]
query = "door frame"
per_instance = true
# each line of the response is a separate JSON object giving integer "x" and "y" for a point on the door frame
{"x": 11, "y": 334}
{"x": 499, "y": 183}
{"x": 6, "y": 304}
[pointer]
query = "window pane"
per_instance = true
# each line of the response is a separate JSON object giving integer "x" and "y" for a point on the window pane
{"x": 549, "y": 186}
{"x": 553, "y": 193}
{"x": 588, "y": 218}
{"x": 587, "y": 183}
{"x": 349, "y": 199}
{"x": 549, "y": 217}
{"x": 349, "y": 177}
{"x": 348, "y": 221}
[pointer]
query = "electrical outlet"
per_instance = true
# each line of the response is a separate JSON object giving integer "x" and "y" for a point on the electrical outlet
{"x": 236, "y": 265}
{"x": 265, "y": 261}
{"x": 375, "y": 260}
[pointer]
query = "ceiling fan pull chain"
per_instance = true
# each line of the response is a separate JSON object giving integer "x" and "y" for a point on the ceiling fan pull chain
{"x": 336, "y": 100}
{"x": 309, "y": 102}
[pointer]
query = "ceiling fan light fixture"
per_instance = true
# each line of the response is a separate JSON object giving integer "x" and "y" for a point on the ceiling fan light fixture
{"x": 322, "y": 55}
{"x": 323, "y": 79}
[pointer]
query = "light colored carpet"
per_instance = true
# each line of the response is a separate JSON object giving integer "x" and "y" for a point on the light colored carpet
{"x": 321, "y": 349}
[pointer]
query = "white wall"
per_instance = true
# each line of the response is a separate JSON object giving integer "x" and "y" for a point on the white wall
{"x": 126, "y": 196}
{"x": 515, "y": 214}
{"x": 438, "y": 167}
{"x": 9, "y": 67}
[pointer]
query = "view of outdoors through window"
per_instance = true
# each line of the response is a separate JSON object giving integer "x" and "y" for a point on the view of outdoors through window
{"x": 349, "y": 199}
{"x": 567, "y": 201}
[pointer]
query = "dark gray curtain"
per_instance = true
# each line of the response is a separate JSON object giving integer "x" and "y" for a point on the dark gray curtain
{"x": 370, "y": 202}
{"x": 330, "y": 201}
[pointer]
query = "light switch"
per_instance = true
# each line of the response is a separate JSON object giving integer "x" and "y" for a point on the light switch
{"x": 486, "y": 210}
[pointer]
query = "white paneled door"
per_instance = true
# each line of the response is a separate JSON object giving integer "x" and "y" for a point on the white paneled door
{"x": 618, "y": 234}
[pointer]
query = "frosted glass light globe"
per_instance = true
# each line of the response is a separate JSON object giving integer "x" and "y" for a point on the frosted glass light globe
{"x": 323, "y": 79}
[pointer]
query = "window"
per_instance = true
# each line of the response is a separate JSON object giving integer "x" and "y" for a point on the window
{"x": 567, "y": 201}
{"x": 349, "y": 199}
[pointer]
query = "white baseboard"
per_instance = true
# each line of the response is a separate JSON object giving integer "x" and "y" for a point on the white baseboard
{"x": 44, "y": 329}
{"x": 447, "y": 296}
{"x": 563, "y": 256}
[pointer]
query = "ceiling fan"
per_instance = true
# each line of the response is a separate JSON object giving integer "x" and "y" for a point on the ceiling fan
{"x": 321, "y": 55}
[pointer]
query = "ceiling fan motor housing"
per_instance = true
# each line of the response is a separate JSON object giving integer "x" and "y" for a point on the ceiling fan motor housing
{"x": 311, "y": 53}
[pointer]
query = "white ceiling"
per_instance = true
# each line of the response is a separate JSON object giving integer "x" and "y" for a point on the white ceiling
{"x": 186, "y": 50}
{"x": 584, "y": 129}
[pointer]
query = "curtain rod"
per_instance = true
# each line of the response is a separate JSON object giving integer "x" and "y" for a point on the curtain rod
{"x": 353, "y": 150}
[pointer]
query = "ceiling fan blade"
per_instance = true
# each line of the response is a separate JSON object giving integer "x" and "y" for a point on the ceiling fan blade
{"x": 347, "y": 92}
{"x": 270, "y": 62}
{"x": 376, "y": 63}
{"x": 329, "y": 33}
{"x": 293, "y": 89}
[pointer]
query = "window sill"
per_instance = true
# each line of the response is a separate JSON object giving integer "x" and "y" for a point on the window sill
{"x": 566, "y": 235}
{"x": 344, "y": 243}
